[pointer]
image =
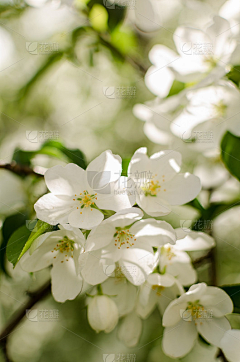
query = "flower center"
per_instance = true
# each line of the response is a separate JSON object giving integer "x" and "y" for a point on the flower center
{"x": 211, "y": 61}
{"x": 167, "y": 251}
{"x": 66, "y": 246}
{"x": 195, "y": 310}
{"x": 152, "y": 187}
{"x": 220, "y": 108}
{"x": 158, "y": 289}
{"x": 123, "y": 237}
{"x": 86, "y": 199}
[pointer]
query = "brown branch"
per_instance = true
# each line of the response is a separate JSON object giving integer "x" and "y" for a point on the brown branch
{"x": 20, "y": 314}
{"x": 21, "y": 170}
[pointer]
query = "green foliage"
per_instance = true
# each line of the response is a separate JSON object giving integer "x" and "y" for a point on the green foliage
{"x": 234, "y": 293}
{"x": 40, "y": 228}
{"x": 22, "y": 239}
{"x": 230, "y": 147}
{"x": 53, "y": 149}
{"x": 234, "y": 75}
{"x": 11, "y": 224}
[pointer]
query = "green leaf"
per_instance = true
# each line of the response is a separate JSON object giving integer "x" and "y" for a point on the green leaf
{"x": 234, "y": 293}
{"x": 40, "y": 228}
{"x": 53, "y": 149}
{"x": 11, "y": 224}
{"x": 21, "y": 240}
{"x": 16, "y": 244}
{"x": 230, "y": 147}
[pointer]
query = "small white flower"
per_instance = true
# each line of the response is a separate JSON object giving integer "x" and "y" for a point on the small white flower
{"x": 230, "y": 345}
{"x": 125, "y": 243}
{"x": 159, "y": 290}
{"x": 61, "y": 249}
{"x": 177, "y": 263}
{"x": 102, "y": 313}
{"x": 76, "y": 196}
{"x": 203, "y": 55}
{"x": 212, "y": 109}
{"x": 158, "y": 182}
{"x": 201, "y": 310}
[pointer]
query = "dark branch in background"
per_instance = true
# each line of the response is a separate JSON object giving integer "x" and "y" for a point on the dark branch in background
{"x": 21, "y": 170}
{"x": 20, "y": 314}
{"x": 133, "y": 62}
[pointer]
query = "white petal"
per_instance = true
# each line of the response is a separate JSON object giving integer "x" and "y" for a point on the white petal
{"x": 95, "y": 268}
{"x": 213, "y": 329}
{"x": 103, "y": 170}
{"x": 125, "y": 294}
{"x": 41, "y": 257}
{"x": 53, "y": 209}
{"x": 120, "y": 196}
{"x": 87, "y": 218}
{"x": 154, "y": 206}
{"x": 130, "y": 330}
{"x": 147, "y": 17}
{"x": 125, "y": 217}
{"x": 181, "y": 189}
{"x": 193, "y": 240}
{"x": 178, "y": 340}
{"x": 172, "y": 315}
{"x": 159, "y": 80}
{"x": 66, "y": 284}
{"x": 100, "y": 236}
{"x": 67, "y": 180}
{"x": 154, "y": 232}
{"x": 136, "y": 265}
{"x": 218, "y": 301}
{"x": 230, "y": 344}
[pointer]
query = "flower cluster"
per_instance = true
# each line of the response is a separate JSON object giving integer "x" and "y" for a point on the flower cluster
{"x": 109, "y": 245}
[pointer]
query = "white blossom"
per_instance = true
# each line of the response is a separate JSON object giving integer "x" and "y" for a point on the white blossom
{"x": 76, "y": 196}
{"x": 158, "y": 182}
{"x": 125, "y": 242}
{"x": 201, "y": 310}
{"x": 61, "y": 249}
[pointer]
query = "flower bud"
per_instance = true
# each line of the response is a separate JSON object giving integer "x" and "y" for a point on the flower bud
{"x": 102, "y": 314}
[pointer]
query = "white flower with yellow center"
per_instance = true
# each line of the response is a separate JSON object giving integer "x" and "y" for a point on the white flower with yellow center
{"x": 159, "y": 290}
{"x": 61, "y": 249}
{"x": 209, "y": 111}
{"x": 124, "y": 242}
{"x": 203, "y": 55}
{"x": 159, "y": 185}
{"x": 201, "y": 310}
{"x": 77, "y": 196}
{"x": 177, "y": 263}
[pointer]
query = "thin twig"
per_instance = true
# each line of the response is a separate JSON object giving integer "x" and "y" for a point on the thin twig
{"x": 21, "y": 170}
{"x": 20, "y": 314}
